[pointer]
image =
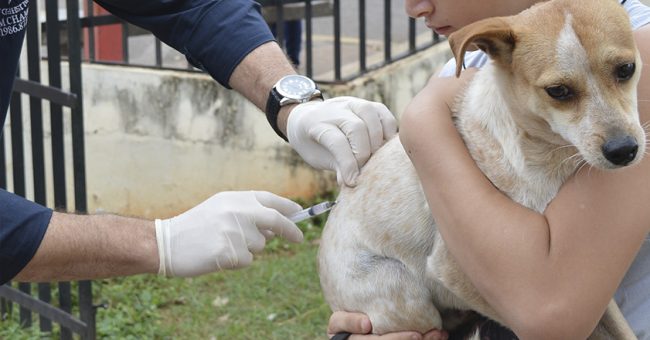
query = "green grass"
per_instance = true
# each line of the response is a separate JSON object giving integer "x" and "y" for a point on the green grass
{"x": 277, "y": 297}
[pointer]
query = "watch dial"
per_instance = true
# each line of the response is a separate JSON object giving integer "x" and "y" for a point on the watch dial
{"x": 296, "y": 87}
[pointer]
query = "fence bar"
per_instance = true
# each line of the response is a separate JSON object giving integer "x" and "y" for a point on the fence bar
{"x": 337, "y": 40}
{"x": 56, "y": 111}
{"x": 3, "y": 178}
{"x": 279, "y": 22}
{"x": 5, "y": 306}
{"x": 25, "y": 314}
{"x": 49, "y": 311}
{"x": 412, "y": 35}
{"x": 65, "y": 304}
{"x": 17, "y": 145}
{"x": 158, "y": 47}
{"x": 53, "y": 95}
{"x": 93, "y": 21}
{"x": 90, "y": 6}
{"x": 45, "y": 295}
{"x": 309, "y": 57}
{"x": 87, "y": 309}
{"x": 36, "y": 104}
{"x": 362, "y": 36}
{"x": 125, "y": 42}
{"x": 387, "y": 31}
{"x": 77, "y": 116}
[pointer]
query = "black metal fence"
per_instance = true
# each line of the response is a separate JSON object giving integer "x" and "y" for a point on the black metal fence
{"x": 342, "y": 39}
{"x": 42, "y": 162}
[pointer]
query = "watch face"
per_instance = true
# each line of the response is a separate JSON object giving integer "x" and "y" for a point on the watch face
{"x": 296, "y": 87}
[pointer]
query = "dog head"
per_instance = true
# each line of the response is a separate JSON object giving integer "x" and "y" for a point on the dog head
{"x": 570, "y": 69}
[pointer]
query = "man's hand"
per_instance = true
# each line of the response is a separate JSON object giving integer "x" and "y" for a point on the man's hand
{"x": 359, "y": 325}
{"x": 223, "y": 232}
{"x": 340, "y": 134}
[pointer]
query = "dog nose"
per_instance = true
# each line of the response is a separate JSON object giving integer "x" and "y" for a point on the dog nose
{"x": 620, "y": 151}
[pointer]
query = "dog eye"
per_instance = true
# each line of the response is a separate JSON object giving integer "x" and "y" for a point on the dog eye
{"x": 625, "y": 71}
{"x": 559, "y": 92}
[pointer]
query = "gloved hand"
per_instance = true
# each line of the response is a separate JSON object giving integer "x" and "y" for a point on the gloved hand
{"x": 340, "y": 134}
{"x": 223, "y": 232}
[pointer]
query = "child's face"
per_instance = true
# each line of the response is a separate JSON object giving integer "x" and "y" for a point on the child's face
{"x": 447, "y": 16}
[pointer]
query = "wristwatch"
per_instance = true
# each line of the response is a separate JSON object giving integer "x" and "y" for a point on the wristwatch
{"x": 291, "y": 89}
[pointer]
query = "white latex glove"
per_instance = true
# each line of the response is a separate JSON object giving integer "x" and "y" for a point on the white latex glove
{"x": 340, "y": 134}
{"x": 223, "y": 232}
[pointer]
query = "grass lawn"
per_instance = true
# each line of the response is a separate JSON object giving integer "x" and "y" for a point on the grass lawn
{"x": 278, "y": 297}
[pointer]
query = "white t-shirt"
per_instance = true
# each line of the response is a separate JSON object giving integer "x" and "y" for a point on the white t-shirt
{"x": 633, "y": 295}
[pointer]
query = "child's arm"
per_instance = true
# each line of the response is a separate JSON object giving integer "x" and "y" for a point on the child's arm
{"x": 548, "y": 275}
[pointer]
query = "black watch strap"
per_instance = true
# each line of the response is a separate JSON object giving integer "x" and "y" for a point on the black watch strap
{"x": 341, "y": 336}
{"x": 272, "y": 110}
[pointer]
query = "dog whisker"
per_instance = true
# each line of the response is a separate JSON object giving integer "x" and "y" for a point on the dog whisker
{"x": 566, "y": 146}
{"x": 576, "y": 158}
{"x": 582, "y": 164}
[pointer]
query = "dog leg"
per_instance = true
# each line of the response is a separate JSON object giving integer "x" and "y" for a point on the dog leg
{"x": 393, "y": 297}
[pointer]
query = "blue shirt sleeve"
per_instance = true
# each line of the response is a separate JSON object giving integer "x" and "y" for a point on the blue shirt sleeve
{"x": 22, "y": 227}
{"x": 214, "y": 35}
{"x": 13, "y": 21}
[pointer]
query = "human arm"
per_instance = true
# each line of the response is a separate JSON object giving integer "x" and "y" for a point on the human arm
{"x": 547, "y": 275}
{"x": 220, "y": 233}
{"x": 337, "y": 134}
{"x": 231, "y": 41}
{"x": 93, "y": 246}
{"x": 359, "y": 326}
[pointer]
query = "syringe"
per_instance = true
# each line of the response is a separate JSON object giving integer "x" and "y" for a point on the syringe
{"x": 312, "y": 211}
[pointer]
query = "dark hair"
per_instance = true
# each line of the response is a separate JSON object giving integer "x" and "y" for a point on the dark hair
{"x": 622, "y": 2}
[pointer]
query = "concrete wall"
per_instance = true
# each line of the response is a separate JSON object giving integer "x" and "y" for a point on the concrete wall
{"x": 159, "y": 142}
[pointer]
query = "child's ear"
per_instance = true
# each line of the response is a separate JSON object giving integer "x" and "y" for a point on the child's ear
{"x": 493, "y": 35}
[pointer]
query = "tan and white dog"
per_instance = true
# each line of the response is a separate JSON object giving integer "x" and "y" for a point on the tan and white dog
{"x": 559, "y": 91}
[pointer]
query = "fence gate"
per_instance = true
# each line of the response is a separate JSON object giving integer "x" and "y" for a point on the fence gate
{"x": 42, "y": 158}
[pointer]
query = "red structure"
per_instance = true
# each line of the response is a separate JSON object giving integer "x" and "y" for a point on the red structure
{"x": 108, "y": 39}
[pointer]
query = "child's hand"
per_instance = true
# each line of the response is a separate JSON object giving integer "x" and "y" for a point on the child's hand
{"x": 358, "y": 326}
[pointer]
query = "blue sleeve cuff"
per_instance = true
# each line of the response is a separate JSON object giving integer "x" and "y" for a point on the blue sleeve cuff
{"x": 22, "y": 227}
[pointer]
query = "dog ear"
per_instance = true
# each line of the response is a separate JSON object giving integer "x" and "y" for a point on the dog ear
{"x": 493, "y": 35}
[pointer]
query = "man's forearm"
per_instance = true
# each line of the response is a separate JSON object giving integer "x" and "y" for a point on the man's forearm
{"x": 95, "y": 246}
{"x": 253, "y": 77}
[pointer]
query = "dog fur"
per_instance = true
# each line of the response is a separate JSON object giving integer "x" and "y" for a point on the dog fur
{"x": 381, "y": 253}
